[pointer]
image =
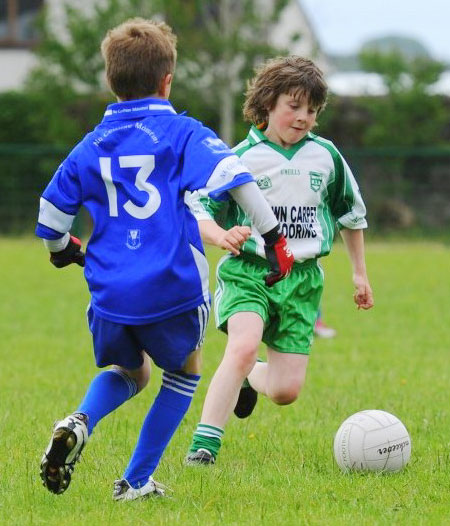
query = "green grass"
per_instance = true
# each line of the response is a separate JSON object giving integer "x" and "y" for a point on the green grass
{"x": 277, "y": 467}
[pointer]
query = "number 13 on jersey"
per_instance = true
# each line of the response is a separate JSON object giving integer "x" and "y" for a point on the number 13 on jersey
{"x": 146, "y": 165}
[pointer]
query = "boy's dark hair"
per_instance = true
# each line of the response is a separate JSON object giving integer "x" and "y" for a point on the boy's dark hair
{"x": 138, "y": 54}
{"x": 291, "y": 75}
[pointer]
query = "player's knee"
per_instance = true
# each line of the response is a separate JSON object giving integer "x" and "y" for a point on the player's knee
{"x": 193, "y": 363}
{"x": 140, "y": 376}
{"x": 284, "y": 397}
{"x": 143, "y": 379}
{"x": 244, "y": 356}
{"x": 287, "y": 394}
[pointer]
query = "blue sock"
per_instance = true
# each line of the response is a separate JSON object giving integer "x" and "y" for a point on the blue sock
{"x": 162, "y": 420}
{"x": 108, "y": 390}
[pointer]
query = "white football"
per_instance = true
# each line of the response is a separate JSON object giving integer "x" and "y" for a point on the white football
{"x": 372, "y": 440}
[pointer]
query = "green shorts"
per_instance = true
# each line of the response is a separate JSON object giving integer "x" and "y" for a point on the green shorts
{"x": 289, "y": 308}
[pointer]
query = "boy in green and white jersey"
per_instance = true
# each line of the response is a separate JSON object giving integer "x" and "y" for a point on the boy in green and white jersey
{"x": 311, "y": 189}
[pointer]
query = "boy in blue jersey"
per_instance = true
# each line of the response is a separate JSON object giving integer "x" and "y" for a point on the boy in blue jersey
{"x": 144, "y": 264}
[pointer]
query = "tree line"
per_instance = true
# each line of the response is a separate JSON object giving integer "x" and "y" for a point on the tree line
{"x": 219, "y": 44}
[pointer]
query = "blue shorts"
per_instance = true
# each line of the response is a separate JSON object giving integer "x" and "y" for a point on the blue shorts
{"x": 168, "y": 342}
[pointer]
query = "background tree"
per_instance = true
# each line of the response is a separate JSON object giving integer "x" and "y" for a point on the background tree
{"x": 68, "y": 79}
{"x": 219, "y": 43}
{"x": 409, "y": 114}
{"x": 405, "y": 122}
{"x": 69, "y": 49}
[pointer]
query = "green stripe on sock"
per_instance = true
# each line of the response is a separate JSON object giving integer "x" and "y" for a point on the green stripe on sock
{"x": 207, "y": 437}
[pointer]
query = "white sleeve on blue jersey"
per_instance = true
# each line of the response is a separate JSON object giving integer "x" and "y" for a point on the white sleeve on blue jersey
{"x": 56, "y": 245}
{"x": 209, "y": 165}
{"x": 60, "y": 202}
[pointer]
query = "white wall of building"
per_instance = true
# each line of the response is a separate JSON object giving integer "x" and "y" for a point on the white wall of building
{"x": 293, "y": 21}
{"x": 16, "y": 63}
{"x": 14, "y": 67}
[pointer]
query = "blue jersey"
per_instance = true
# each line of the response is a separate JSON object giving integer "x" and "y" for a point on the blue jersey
{"x": 145, "y": 260}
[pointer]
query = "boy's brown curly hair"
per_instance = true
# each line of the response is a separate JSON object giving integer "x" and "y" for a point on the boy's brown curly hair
{"x": 291, "y": 75}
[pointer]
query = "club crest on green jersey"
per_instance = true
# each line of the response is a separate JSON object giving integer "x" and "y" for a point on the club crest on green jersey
{"x": 315, "y": 180}
{"x": 264, "y": 182}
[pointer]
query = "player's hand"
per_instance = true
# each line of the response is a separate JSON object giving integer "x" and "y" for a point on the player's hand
{"x": 280, "y": 259}
{"x": 363, "y": 296}
{"x": 234, "y": 238}
{"x": 71, "y": 254}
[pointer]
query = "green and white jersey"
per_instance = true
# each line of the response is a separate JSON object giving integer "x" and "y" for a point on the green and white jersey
{"x": 309, "y": 186}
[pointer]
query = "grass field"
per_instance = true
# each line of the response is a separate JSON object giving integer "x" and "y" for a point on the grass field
{"x": 277, "y": 467}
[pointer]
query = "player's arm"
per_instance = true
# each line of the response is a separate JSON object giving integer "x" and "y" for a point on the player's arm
{"x": 231, "y": 239}
{"x": 354, "y": 242}
{"x": 59, "y": 204}
{"x": 350, "y": 213}
{"x": 205, "y": 210}
{"x": 206, "y": 154}
{"x": 250, "y": 198}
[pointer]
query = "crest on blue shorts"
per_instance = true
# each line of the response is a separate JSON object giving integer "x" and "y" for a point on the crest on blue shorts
{"x": 133, "y": 239}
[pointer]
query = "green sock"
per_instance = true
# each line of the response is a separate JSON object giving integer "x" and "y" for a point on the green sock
{"x": 207, "y": 437}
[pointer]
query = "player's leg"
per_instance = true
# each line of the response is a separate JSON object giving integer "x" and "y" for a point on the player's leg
{"x": 244, "y": 335}
{"x": 241, "y": 308}
{"x": 162, "y": 420}
{"x": 116, "y": 345}
{"x": 288, "y": 336}
{"x": 181, "y": 374}
{"x": 281, "y": 378}
{"x": 108, "y": 390}
{"x": 111, "y": 388}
